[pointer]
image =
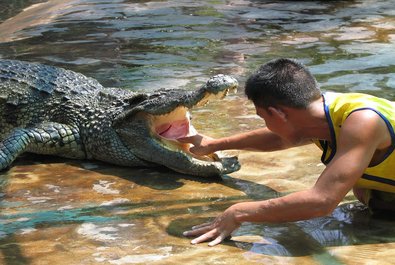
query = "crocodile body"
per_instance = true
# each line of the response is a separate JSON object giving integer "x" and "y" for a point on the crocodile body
{"x": 50, "y": 110}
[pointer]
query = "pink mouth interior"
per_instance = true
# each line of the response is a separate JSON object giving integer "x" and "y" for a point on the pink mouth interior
{"x": 174, "y": 130}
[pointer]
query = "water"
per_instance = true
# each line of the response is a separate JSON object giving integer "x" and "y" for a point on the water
{"x": 77, "y": 212}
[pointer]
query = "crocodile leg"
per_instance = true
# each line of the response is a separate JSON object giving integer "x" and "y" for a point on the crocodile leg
{"x": 47, "y": 138}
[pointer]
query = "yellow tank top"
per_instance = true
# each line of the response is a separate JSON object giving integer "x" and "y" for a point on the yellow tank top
{"x": 338, "y": 107}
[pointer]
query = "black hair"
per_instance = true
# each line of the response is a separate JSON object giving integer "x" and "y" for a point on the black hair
{"x": 282, "y": 82}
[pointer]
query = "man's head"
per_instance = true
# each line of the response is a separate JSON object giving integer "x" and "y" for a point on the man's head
{"x": 282, "y": 82}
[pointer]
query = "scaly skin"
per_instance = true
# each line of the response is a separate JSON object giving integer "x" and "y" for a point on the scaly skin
{"x": 49, "y": 110}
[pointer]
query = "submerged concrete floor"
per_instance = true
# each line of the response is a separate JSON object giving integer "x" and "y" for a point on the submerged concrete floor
{"x": 56, "y": 211}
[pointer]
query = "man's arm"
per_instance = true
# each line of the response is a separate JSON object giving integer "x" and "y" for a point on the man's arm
{"x": 361, "y": 135}
{"x": 257, "y": 140}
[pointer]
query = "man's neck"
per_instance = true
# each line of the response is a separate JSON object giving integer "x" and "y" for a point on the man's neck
{"x": 310, "y": 123}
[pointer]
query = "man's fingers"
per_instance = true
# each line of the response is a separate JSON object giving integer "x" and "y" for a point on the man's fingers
{"x": 205, "y": 237}
{"x": 198, "y": 230}
{"x": 186, "y": 139}
{"x": 209, "y": 235}
{"x": 215, "y": 231}
{"x": 201, "y": 225}
{"x": 193, "y": 139}
{"x": 218, "y": 240}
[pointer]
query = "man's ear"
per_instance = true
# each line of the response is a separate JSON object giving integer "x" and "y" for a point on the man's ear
{"x": 278, "y": 112}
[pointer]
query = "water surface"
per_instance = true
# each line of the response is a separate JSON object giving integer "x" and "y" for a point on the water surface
{"x": 56, "y": 211}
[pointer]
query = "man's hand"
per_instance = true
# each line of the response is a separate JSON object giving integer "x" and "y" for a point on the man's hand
{"x": 201, "y": 144}
{"x": 218, "y": 230}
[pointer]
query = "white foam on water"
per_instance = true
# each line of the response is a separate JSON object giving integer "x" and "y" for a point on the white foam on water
{"x": 126, "y": 225}
{"x": 104, "y": 187}
{"x": 136, "y": 259}
{"x": 25, "y": 231}
{"x": 39, "y": 199}
{"x": 92, "y": 231}
{"x": 100, "y": 259}
{"x": 67, "y": 207}
{"x": 115, "y": 202}
{"x": 22, "y": 219}
{"x": 54, "y": 188}
{"x": 3, "y": 235}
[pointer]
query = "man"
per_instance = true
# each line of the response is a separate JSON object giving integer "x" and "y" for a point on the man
{"x": 355, "y": 132}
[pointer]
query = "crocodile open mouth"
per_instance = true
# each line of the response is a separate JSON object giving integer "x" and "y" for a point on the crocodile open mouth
{"x": 177, "y": 124}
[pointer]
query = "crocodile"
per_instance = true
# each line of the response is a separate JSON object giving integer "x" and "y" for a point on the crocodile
{"x": 53, "y": 111}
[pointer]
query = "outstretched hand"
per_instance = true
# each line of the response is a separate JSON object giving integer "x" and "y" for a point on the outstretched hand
{"x": 201, "y": 144}
{"x": 218, "y": 230}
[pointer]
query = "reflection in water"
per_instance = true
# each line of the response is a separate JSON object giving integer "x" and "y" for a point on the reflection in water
{"x": 72, "y": 212}
{"x": 350, "y": 224}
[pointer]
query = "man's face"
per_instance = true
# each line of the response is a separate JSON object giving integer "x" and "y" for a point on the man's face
{"x": 275, "y": 121}
{"x": 270, "y": 118}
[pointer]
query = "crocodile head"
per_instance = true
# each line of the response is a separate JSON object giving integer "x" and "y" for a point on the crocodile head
{"x": 150, "y": 129}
